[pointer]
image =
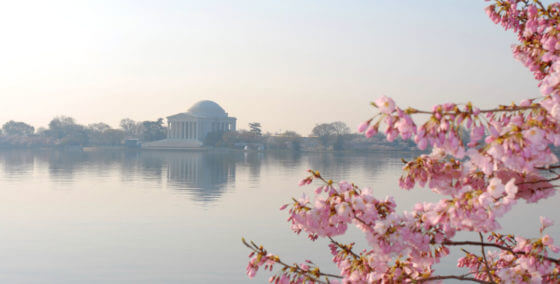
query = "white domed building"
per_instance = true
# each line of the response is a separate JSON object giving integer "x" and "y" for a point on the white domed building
{"x": 189, "y": 129}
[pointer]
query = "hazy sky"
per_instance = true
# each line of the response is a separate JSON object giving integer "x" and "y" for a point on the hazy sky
{"x": 286, "y": 64}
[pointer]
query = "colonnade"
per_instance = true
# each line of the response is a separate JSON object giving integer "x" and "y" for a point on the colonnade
{"x": 198, "y": 129}
{"x": 183, "y": 130}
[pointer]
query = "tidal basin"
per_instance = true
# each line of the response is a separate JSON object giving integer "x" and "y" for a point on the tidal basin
{"x": 117, "y": 216}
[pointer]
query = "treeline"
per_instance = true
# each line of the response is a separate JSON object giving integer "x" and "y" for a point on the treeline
{"x": 334, "y": 136}
{"x": 63, "y": 131}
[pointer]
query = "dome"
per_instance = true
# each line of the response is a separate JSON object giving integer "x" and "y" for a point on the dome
{"x": 207, "y": 109}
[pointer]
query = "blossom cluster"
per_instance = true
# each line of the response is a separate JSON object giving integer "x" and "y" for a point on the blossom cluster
{"x": 517, "y": 260}
{"x": 401, "y": 246}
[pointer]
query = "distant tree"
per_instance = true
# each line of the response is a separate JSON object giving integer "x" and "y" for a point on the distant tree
{"x": 153, "y": 130}
{"x": 338, "y": 143}
{"x": 333, "y": 132}
{"x": 41, "y": 130}
{"x": 62, "y": 122}
{"x": 340, "y": 128}
{"x": 341, "y": 132}
{"x": 289, "y": 140}
{"x": 229, "y": 138}
{"x": 66, "y": 132}
{"x": 99, "y": 127}
{"x": 112, "y": 137}
{"x": 131, "y": 128}
{"x": 255, "y": 127}
{"x": 290, "y": 134}
{"x": 249, "y": 136}
{"x": 102, "y": 134}
{"x": 17, "y": 128}
{"x": 323, "y": 129}
{"x": 75, "y": 138}
{"x": 324, "y": 132}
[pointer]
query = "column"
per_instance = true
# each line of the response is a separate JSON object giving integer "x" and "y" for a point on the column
{"x": 179, "y": 130}
{"x": 168, "y": 130}
{"x": 184, "y": 130}
{"x": 196, "y": 130}
{"x": 191, "y": 125}
{"x": 192, "y": 128}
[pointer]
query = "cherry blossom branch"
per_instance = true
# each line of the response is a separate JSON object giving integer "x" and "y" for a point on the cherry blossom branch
{"x": 456, "y": 277}
{"x": 485, "y": 260}
{"x": 548, "y": 167}
{"x": 347, "y": 249}
{"x": 463, "y": 277}
{"x": 473, "y": 243}
{"x": 507, "y": 144}
{"x": 313, "y": 274}
{"x": 501, "y": 108}
{"x": 540, "y": 181}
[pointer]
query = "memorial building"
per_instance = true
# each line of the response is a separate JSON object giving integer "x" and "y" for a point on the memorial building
{"x": 189, "y": 129}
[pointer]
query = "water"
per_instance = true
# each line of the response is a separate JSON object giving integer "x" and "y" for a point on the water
{"x": 177, "y": 217}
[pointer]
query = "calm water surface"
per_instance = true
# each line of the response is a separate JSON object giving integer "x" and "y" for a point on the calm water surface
{"x": 177, "y": 217}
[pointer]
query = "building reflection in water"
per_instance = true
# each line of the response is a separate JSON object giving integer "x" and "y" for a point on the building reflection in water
{"x": 204, "y": 175}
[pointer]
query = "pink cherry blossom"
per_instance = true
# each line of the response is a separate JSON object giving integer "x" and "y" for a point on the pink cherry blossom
{"x": 545, "y": 223}
{"x": 363, "y": 126}
{"x": 385, "y": 105}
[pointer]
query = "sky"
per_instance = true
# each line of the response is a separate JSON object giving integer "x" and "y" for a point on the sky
{"x": 287, "y": 64}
